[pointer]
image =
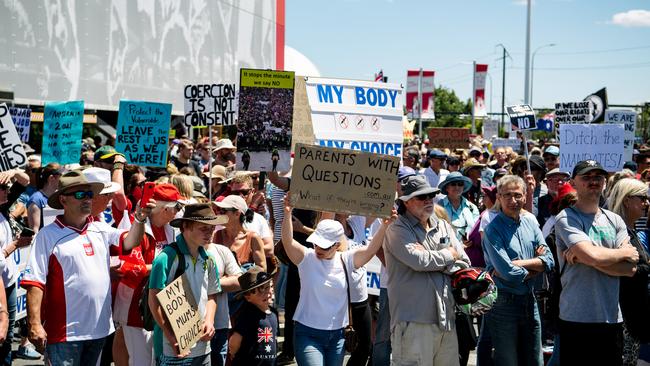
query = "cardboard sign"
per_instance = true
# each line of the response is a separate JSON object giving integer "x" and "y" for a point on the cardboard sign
{"x": 448, "y": 137}
{"x": 62, "y": 128}
{"x": 574, "y": 112}
{"x": 302, "y": 131}
{"x": 143, "y": 132}
{"x": 265, "y": 117}
{"x": 522, "y": 117}
{"x": 210, "y": 104}
{"x": 358, "y": 183}
{"x": 353, "y": 110}
{"x": 12, "y": 154}
{"x": 600, "y": 142}
{"x": 22, "y": 120}
{"x": 515, "y": 144}
{"x": 628, "y": 119}
{"x": 182, "y": 312}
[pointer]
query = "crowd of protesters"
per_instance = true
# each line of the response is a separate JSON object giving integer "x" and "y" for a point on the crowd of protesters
{"x": 566, "y": 254}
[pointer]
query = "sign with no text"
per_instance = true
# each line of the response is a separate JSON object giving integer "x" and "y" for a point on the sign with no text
{"x": 182, "y": 312}
{"x": 342, "y": 180}
{"x": 449, "y": 137}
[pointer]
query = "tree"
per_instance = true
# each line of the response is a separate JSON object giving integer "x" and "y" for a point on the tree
{"x": 450, "y": 111}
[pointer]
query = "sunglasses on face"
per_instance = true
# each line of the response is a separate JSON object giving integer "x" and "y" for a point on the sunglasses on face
{"x": 241, "y": 192}
{"x": 642, "y": 197}
{"x": 425, "y": 197}
{"x": 457, "y": 184}
{"x": 80, "y": 195}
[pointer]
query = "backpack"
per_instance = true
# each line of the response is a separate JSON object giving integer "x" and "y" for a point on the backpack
{"x": 474, "y": 290}
{"x": 143, "y": 304}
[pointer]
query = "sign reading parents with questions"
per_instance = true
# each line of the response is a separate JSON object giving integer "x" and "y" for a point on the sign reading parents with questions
{"x": 600, "y": 142}
{"x": 142, "y": 132}
{"x": 62, "y": 128}
{"x": 210, "y": 104}
{"x": 12, "y": 154}
{"x": 341, "y": 180}
{"x": 182, "y": 312}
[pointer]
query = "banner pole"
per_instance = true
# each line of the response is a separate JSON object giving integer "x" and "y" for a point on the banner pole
{"x": 210, "y": 163}
{"x": 523, "y": 137}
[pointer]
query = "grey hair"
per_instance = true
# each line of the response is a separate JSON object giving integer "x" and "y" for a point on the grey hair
{"x": 510, "y": 179}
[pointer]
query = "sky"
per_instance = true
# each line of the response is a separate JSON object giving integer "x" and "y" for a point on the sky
{"x": 598, "y": 44}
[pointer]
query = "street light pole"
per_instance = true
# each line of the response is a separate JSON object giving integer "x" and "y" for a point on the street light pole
{"x": 532, "y": 69}
{"x": 503, "y": 85}
{"x": 527, "y": 76}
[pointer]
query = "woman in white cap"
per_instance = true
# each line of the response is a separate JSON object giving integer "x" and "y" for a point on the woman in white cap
{"x": 323, "y": 308}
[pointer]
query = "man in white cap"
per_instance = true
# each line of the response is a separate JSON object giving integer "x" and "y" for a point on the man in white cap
{"x": 420, "y": 249}
{"x": 225, "y": 153}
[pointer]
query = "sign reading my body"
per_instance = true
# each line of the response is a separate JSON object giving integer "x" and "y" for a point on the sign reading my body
{"x": 362, "y": 96}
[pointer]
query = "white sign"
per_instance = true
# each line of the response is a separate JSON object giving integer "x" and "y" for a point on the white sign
{"x": 572, "y": 113}
{"x": 12, "y": 154}
{"x": 600, "y": 142}
{"x": 351, "y": 110}
{"x": 515, "y": 144}
{"x": 490, "y": 128}
{"x": 210, "y": 104}
{"x": 628, "y": 119}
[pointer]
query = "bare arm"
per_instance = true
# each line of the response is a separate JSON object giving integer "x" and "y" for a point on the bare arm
{"x": 34, "y": 217}
{"x": 364, "y": 254}
{"x": 134, "y": 237}
{"x": 234, "y": 343}
{"x": 161, "y": 319}
{"x": 594, "y": 256}
{"x": 36, "y": 332}
{"x": 208, "y": 320}
{"x": 4, "y": 314}
{"x": 229, "y": 283}
{"x": 532, "y": 264}
{"x": 267, "y": 244}
{"x": 257, "y": 246}
{"x": 278, "y": 181}
{"x": 294, "y": 250}
{"x": 117, "y": 176}
{"x": 621, "y": 269}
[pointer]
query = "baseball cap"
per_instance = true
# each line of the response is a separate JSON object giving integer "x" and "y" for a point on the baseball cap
{"x": 169, "y": 193}
{"x": 106, "y": 152}
{"x": 328, "y": 232}
{"x": 233, "y": 201}
{"x": 404, "y": 172}
{"x": 586, "y": 166}
{"x": 437, "y": 154}
{"x": 553, "y": 150}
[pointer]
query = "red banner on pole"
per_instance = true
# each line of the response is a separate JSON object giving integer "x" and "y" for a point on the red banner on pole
{"x": 412, "y": 86}
{"x": 480, "y": 74}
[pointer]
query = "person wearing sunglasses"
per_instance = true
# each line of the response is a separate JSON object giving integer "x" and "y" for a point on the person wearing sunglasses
{"x": 462, "y": 213}
{"x": 421, "y": 250}
{"x": 68, "y": 270}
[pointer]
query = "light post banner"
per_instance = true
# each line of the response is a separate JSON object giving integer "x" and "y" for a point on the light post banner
{"x": 601, "y": 142}
{"x": 628, "y": 119}
{"x": 428, "y": 94}
{"x": 480, "y": 73}
{"x": 353, "y": 111}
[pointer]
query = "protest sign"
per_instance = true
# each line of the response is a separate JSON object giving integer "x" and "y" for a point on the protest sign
{"x": 12, "y": 154}
{"x": 302, "y": 130}
{"x": 210, "y": 104}
{"x": 628, "y": 119}
{"x": 341, "y": 180}
{"x": 143, "y": 132}
{"x": 515, "y": 144}
{"x": 522, "y": 117}
{"x": 182, "y": 312}
{"x": 22, "y": 120}
{"x": 600, "y": 142}
{"x": 448, "y": 137}
{"x": 573, "y": 112}
{"x": 490, "y": 128}
{"x": 356, "y": 112}
{"x": 265, "y": 117}
{"x": 62, "y": 128}
{"x": 365, "y": 146}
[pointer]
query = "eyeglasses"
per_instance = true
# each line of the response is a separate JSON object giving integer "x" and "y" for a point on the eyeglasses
{"x": 516, "y": 196}
{"x": 80, "y": 195}
{"x": 642, "y": 197}
{"x": 457, "y": 184}
{"x": 425, "y": 197}
{"x": 241, "y": 192}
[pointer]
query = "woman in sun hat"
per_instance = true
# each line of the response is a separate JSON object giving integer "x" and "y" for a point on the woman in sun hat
{"x": 462, "y": 213}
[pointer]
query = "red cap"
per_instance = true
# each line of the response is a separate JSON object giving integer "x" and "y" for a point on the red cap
{"x": 563, "y": 190}
{"x": 166, "y": 192}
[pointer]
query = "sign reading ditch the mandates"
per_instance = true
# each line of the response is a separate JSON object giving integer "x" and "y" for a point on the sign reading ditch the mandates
{"x": 342, "y": 180}
{"x": 601, "y": 142}
{"x": 182, "y": 312}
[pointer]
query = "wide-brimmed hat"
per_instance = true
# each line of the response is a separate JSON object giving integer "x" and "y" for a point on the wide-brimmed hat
{"x": 200, "y": 212}
{"x": 416, "y": 186}
{"x": 455, "y": 177}
{"x": 73, "y": 179}
{"x": 105, "y": 152}
{"x": 233, "y": 201}
{"x": 103, "y": 176}
{"x": 472, "y": 163}
{"x": 253, "y": 278}
{"x": 218, "y": 172}
{"x": 224, "y": 144}
{"x": 328, "y": 232}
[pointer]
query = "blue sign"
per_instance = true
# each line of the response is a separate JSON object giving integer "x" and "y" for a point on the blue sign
{"x": 62, "y": 128}
{"x": 22, "y": 118}
{"x": 142, "y": 132}
{"x": 384, "y": 148}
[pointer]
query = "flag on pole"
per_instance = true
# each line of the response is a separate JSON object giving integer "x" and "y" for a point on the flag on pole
{"x": 480, "y": 73}
{"x": 599, "y": 103}
{"x": 379, "y": 77}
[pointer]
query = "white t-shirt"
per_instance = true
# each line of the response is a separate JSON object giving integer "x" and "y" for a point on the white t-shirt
{"x": 226, "y": 265}
{"x": 323, "y": 300}
{"x": 260, "y": 226}
{"x": 6, "y": 237}
{"x": 486, "y": 219}
{"x": 383, "y": 275}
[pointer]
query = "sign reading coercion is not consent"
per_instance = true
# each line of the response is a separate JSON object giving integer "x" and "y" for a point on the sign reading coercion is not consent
{"x": 342, "y": 180}
{"x": 601, "y": 142}
{"x": 210, "y": 104}
{"x": 12, "y": 154}
{"x": 142, "y": 132}
{"x": 62, "y": 129}
{"x": 182, "y": 312}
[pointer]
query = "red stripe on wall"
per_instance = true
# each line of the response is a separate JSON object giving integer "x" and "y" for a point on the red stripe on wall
{"x": 279, "y": 34}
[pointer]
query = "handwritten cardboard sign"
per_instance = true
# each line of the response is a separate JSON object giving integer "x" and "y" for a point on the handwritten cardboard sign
{"x": 62, "y": 128}
{"x": 143, "y": 131}
{"x": 22, "y": 120}
{"x": 302, "y": 130}
{"x": 12, "y": 154}
{"x": 572, "y": 113}
{"x": 342, "y": 180}
{"x": 601, "y": 142}
{"x": 210, "y": 104}
{"x": 628, "y": 119}
{"x": 448, "y": 137}
{"x": 182, "y": 312}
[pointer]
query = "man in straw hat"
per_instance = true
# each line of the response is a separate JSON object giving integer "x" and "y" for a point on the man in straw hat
{"x": 197, "y": 226}
{"x": 68, "y": 270}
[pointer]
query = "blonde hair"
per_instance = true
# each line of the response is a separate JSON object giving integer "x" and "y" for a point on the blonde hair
{"x": 184, "y": 185}
{"x": 242, "y": 178}
{"x": 624, "y": 188}
{"x": 615, "y": 178}
{"x": 441, "y": 212}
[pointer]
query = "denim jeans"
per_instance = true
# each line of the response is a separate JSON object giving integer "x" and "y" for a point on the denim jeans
{"x": 381, "y": 348}
{"x": 5, "y": 349}
{"x": 316, "y": 347}
{"x": 77, "y": 353}
{"x": 219, "y": 346}
{"x": 484, "y": 346}
{"x": 515, "y": 329}
{"x": 173, "y": 361}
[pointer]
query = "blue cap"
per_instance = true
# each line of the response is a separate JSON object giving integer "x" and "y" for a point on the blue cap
{"x": 437, "y": 154}
{"x": 404, "y": 172}
{"x": 553, "y": 150}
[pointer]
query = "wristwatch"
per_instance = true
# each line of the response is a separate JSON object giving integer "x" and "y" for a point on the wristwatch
{"x": 119, "y": 165}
